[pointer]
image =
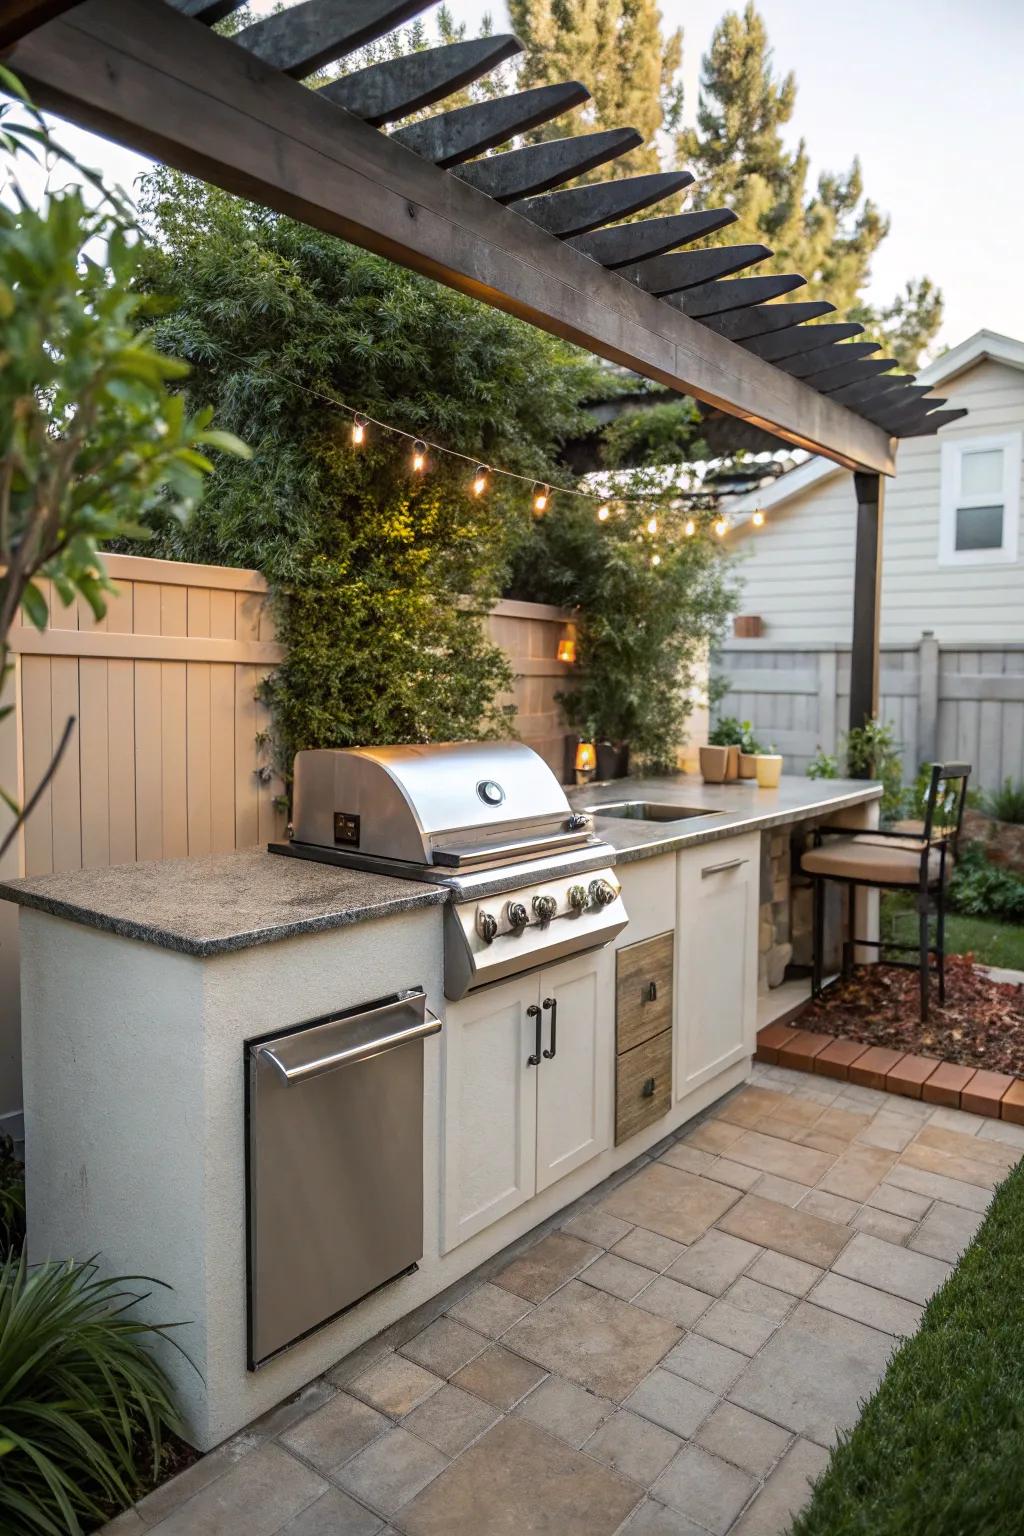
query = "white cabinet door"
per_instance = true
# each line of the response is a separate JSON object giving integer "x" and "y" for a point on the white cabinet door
{"x": 490, "y": 1108}
{"x": 574, "y": 1081}
{"x": 716, "y": 957}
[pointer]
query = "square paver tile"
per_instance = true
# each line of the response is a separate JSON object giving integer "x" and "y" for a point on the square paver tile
{"x": 832, "y": 1207}
{"x": 593, "y": 1339}
{"x": 728, "y": 1325}
{"x": 786, "y": 1191}
{"x": 744, "y": 1438}
{"x": 938, "y": 1186}
{"x": 395, "y": 1385}
{"x": 673, "y": 1402}
{"x": 539, "y": 1271}
{"x": 813, "y": 1373}
{"x": 593, "y": 1226}
{"x": 894, "y": 1229}
{"x": 858, "y": 1173}
{"x": 791, "y": 1232}
{"x": 750, "y": 1106}
{"x": 444, "y": 1347}
{"x": 753, "y": 1296}
{"x": 490, "y": 1310}
{"x": 706, "y": 1363}
{"x": 702, "y": 1485}
{"x": 451, "y": 1419}
{"x": 713, "y": 1263}
{"x": 888, "y": 1267}
{"x": 667, "y": 1200}
{"x": 785, "y": 1274}
{"x": 954, "y": 1120}
{"x": 787, "y": 1159}
{"x": 572, "y": 1413}
{"x": 333, "y": 1514}
{"x": 890, "y": 1314}
{"x": 715, "y": 1136}
{"x": 634, "y": 1446}
{"x": 255, "y": 1497}
{"x": 690, "y": 1159}
{"x": 786, "y": 1491}
{"x": 156, "y": 1506}
{"x": 649, "y": 1249}
{"x": 945, "y": 1231}
{"x": 889, "y": 1131}
{"x": 618, "y": 1276}
{"x": 846, "y": 1124}
{"x": 670, "y": 1298}
{"x": 736, "y": 1175}
{"x": 518, "y": 1479}
{"x": 652, "y": 1518}
{"x": 499, "y": 1376}
{"x": 1001, "y": 1130}
{"x": 335, "y": 1432}
{"x": 899, "y": 1202}
{"x": 391, "y": 1471}
{"x": 299, "y": 1406}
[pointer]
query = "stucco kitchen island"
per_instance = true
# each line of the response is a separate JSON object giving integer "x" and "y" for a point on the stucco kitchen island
{"x": 142, "y": 986}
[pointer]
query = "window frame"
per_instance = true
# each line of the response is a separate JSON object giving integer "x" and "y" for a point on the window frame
{"x": 950, "y": 500}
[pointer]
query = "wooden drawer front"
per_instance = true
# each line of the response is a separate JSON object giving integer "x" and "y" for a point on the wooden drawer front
{"x": 643, "y": 991}
{"x": 637, "y": 1104}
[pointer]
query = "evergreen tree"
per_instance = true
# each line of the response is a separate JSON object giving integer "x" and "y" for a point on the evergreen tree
{"x": 617, "y": 49}
{"x": 828, "y": 234}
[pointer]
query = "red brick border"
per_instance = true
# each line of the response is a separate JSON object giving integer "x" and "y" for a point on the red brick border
{"x": 976, "y": 1090}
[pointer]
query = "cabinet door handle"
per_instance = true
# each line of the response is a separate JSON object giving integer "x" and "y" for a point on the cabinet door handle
{"x": 533, "y": 1012}
{"x": 552, "y": 1003}
{"x": 719, "y": 869}
{"x": 651, "y": 992}
{"x": 648, "y": 1089}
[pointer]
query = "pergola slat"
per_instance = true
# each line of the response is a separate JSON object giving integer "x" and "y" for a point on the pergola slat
{"x": 777, "y": 345}
{"x": 930, "y": 424}
{"x": 897, "y": 410}
{"x": 452, "y": 137}
{"x": 383, "y": 92}
{"x": 693, "y": 269}
{"x": 874, "y": 389}
{"x": 522, "y": 173}
{"x": 807, "y": 365}
{"x": 578, "y": 210}
{"x": 304, "y": 38}
{"x": 738, "y": 293}
{"x": 630, "y": 243}
{"x": 852, "y": 373}
{"x": 763, "y": 319}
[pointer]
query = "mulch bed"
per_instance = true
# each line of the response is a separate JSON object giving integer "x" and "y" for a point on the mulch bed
{"x": 982, "y": 1024}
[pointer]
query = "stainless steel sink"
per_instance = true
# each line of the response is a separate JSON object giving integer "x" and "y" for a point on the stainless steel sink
{"x": 647, "y": 810}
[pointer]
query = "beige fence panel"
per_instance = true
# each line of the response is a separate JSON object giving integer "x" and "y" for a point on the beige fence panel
{"x": 529, "y": 634}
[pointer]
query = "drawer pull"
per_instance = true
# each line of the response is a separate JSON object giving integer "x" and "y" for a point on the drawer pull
{"x": 533, "y": 1012}
{"x": 719, "y": 869}
{"x": 648, "y": 1088}
{"x": 552, "y": 1003}
{"x": 652, "y": 992}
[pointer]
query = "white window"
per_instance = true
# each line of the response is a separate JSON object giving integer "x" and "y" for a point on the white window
{"x": 980, "y": 500}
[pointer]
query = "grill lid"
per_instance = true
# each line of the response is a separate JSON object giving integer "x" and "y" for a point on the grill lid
{"x": 456, "y": 804}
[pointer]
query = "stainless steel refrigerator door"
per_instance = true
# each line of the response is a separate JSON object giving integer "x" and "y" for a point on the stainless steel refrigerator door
{"x": 335, "y": 1171}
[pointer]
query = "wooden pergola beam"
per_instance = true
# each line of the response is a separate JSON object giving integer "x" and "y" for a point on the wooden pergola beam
{"x": 20, "y": 17}
{"x": 158, "y": 81}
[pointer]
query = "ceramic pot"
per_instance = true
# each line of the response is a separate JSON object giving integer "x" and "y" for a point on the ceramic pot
{"x": 733, "y": 770}
{"x": 748, "y": 765}
{"x": 714, "y": 764}
{"x": 612, "y": 761}
{"x": 769, "y": 769}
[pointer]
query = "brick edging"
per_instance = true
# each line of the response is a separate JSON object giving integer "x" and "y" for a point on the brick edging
{"x": 974, "y": 1089}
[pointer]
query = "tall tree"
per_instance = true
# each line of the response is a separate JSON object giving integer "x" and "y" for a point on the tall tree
{"x": 829, "y": 233}
{"x": 617, "y": 49}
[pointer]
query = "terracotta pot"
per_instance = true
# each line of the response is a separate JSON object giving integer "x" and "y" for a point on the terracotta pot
{"x": 748, "y": 765}
{"x": 769, "y": 769}
{"x": 714, "y": 764}
{"x": 733, "y": 770}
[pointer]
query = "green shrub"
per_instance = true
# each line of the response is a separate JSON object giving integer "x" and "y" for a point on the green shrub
{"x": 1006, "y": 803}
{"x": 823, "y": 766}
{"x": 83, "y": 1403}
{"x": 981, "y": 889}
{"x": 871, "y": 752}
{"x": 12, "y": 1199}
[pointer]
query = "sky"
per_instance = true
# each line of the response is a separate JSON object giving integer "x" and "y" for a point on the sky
{"x": 928, "y": 93}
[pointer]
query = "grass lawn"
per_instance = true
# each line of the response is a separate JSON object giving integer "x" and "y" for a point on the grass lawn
{"x": 938, "y": 1449}
{"x": 990, "y": 942}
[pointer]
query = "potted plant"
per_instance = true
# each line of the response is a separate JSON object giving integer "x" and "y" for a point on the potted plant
{"x": 750, "y": 750}
{"x": 728, "y": 732}
{"x": 769, "y": 768}
{"x": 714, "y": 764}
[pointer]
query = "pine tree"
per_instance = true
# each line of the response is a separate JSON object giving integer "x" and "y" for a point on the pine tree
{"x": 617, "y": 49}
{"x": 828, "y": 234}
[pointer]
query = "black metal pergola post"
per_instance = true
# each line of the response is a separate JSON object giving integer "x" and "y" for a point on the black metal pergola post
{"x": 867, "y": 594}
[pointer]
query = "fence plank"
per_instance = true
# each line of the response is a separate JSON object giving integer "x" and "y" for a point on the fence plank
{"x": 93, "y": 735}
{"x": 146, "y": 699}
{"x": 121, "y": 766}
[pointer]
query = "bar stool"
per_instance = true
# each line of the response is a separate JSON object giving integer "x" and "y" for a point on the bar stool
{"x": 917, "y": 857}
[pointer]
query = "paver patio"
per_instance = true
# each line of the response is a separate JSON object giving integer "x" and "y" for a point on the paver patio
{"x": 672, "y": 1356}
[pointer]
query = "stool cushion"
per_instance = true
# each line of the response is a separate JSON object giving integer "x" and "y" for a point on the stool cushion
{"x": 872, "y": 861}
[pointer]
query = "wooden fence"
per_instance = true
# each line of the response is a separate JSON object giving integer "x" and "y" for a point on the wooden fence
{"x": 169, "y": 757}
{"x": 943, "y": 702}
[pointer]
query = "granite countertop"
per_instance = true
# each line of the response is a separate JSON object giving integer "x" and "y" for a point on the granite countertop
{"x": 231, "y": 901}
{"x": 727, "y": 809}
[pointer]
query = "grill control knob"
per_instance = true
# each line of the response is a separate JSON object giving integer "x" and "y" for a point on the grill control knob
{"x": 517, "y": 915}
{"x": 544, "y": 908}
{"x": 578, "y": 822}
{"x": 602, "y": 893}
{"x": 577, "y": 898}
{"x": 487, "y": 926}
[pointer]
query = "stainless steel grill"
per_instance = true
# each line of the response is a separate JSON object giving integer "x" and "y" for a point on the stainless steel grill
{"x": 531, "y": 882}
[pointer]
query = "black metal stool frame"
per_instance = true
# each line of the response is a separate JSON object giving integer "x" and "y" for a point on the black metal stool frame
{"x": 941, "y": 774}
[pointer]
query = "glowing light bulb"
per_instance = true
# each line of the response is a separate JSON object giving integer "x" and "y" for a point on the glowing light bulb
{"x": 655, "y": 559}
{"x": 721, "y": 527}
{"x": 359, "y": 431}
{"x": 690, "y": 528}
{"x": 758, "y": 518}
{"x": 419, "y": 457}
{"x": 540, "y": 498}
{"x": 652, "y": 525}
{"x": 480, "y": 480}
{"x": 603, "y": 514}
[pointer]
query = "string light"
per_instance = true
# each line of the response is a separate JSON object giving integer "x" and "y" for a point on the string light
{"x": 690, "y": 528}
{"x": 540, "y": 498}
{"x": 603, "y": 514}
{"x": 758, "y": 517}
{"x": 480, "y": 480}
{"x": 652, "y": 525}
{"x": 419, "y": 456}
{"x": 359, "y": 430}
{"x": 655, "y": 559}
{"x": 721, "y": 527}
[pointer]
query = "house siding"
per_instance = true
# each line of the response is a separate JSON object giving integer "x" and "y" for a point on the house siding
{"x": 797, "y": 572}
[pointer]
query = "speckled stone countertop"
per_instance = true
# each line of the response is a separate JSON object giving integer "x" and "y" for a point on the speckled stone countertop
{"x": 230, "y": 901}
{"x": 727, "y": 809}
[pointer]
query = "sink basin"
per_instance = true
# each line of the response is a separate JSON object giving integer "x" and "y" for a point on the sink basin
{"x": 647, "y": 810}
